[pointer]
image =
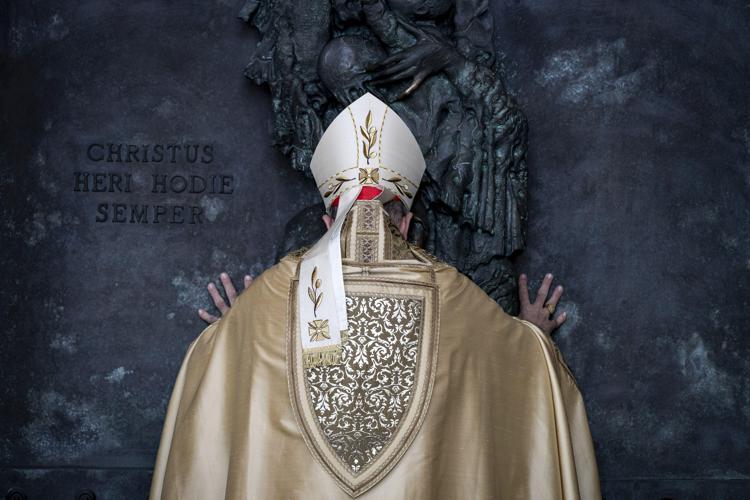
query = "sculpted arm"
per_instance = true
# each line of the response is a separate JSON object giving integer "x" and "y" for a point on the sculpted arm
{"x": 384, "y": 24}
{"x": 424, "y": 53}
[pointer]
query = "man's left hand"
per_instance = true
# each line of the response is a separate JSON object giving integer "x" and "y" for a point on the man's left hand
{"x": 537, "y": 312}
{"x": 219, "y": 302}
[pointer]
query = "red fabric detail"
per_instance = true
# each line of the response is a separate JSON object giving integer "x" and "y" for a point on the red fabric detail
{"x": 367, "y": 193}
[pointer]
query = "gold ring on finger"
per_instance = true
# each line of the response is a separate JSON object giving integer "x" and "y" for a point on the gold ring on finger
{"x": 550, "y": 307}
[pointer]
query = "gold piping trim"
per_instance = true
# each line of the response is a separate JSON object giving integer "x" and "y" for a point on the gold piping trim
{"x": 356, "y": 137}
{"x": 333, "y": 177}
{"x": 328, "y": 179}
{"x": 380, "y": 146}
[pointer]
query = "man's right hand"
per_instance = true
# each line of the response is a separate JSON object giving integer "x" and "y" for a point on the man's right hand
{"x": 219, "y": 302}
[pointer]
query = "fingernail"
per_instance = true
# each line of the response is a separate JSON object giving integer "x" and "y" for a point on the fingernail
{"x": 223, "y": 275}
{"x": 210, "y": 285}
{"x": 549, "y": 275}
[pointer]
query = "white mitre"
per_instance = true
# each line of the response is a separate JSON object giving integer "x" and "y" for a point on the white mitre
{"x": 366, "y": 146}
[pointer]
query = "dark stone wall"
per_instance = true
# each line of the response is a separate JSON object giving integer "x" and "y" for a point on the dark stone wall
{"x": 639, "y": 166}
{"x": 640, "y": 172}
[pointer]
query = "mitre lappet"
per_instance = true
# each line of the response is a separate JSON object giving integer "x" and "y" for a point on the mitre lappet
{"x": 367, "y": 152}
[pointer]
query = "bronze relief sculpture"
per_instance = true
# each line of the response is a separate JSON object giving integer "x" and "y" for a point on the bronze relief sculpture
{"x": 434, "y": 62}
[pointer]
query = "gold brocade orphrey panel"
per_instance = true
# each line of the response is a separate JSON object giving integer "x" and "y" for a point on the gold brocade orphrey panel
{"x": 358, "y": 418}
{"x": 360, "y": 403}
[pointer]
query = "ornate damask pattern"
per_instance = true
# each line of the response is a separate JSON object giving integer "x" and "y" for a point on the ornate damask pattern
{"x": 367, "y": 248}
{"x": 396, "y": 247}
{"x": 368, "y": 221}
{"x": 360, "y": 403}
{"x": 368, "y": 228}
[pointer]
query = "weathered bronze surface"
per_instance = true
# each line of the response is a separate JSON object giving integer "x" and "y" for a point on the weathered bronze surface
{"x": 435, "y": 64}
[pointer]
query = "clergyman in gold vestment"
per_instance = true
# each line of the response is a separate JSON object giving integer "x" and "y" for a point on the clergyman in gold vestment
{"x": 411, "y": 384}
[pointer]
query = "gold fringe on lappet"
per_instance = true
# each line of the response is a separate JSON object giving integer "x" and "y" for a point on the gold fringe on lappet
{"x": 324, "y": 356}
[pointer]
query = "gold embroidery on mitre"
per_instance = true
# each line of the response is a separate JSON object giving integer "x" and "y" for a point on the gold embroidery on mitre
{"x": 369, "y": 175}
{"x": 334, "y": 187}
{"x": 401, "y": 187}
{"x": 370, "y": 137}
